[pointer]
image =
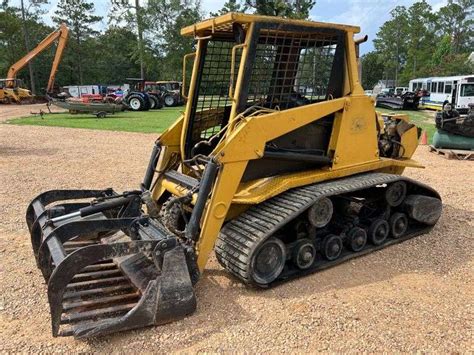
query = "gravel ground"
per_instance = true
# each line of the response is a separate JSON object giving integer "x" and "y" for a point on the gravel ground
{"x": 416, "y": 296}
{"x": 13, "y": 111}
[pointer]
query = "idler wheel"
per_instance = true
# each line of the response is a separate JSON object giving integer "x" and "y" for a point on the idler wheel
{"x": 304, "y": 254}
{"x": 320, "y": 213}
{"x": 268, "y": 261}
{"x": 332, "y": 247}
{"x": 395, "y": 193}
{"x": 378, "y": 231}
{"x": 398, "y": 224}
{"x": 356, "y": 238}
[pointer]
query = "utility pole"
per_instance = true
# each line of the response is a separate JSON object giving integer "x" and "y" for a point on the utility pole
{"x": 27, "y": 46}
{"x": 140, "y": 38}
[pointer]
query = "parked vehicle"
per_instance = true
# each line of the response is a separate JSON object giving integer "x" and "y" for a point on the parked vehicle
{"x": 142, "y": 95}
{"x": 135, "y": 98}
{"x": 11, "y": 88}
{"x": 457, "y": 90}
{"x": 156, "y": 95}
{"x": 99, "y": 109}
{"x": 171, "y": 93}
{"x": 400, "y": 90}
{"x": 85, "y": 90}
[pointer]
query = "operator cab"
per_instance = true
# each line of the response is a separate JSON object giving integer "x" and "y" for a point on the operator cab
{"x": 246, "y": 66}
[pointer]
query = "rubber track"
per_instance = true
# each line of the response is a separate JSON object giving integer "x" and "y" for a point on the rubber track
{"x": 239, "y": 237}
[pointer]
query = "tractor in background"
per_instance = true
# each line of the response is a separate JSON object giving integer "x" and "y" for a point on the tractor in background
{"x": 141, "y": 97}
{"x": 171, "y": 93}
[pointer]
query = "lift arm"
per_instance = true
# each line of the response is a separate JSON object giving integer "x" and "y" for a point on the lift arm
{"x": 61, "y": 35}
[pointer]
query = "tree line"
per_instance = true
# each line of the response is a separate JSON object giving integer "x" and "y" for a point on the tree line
{"x": 420, "y": 42}
{"x": 142, "y": 39}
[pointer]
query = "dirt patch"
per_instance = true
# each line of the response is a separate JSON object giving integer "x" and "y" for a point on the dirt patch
{"x": 7, "y": 112}
{"x": 415, "y": 296}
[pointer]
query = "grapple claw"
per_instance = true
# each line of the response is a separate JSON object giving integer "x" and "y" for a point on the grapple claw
{"x": 108, "y": 267}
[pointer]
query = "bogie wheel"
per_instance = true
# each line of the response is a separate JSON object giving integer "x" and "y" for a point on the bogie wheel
{"x": 398, "y": 224}
{"x": 268, "y": 261}
{"x": 378, "y": 231}
{"x": 135, "y": 102}
{"x": 332, "y": 247}
{"x": 320, "y": 213}
{"x": 304, "y": 254}
{"x": 356, "y": 238}
{"x": 170, "y": 101}
{"x": 395, "y": 193}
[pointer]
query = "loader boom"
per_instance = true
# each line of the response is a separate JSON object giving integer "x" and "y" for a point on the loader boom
{"x": 61, "y": 35}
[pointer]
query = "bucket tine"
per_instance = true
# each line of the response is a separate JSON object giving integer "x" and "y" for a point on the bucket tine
{"x": 38, "y": 205}
{"x": 167, "y": 297}
{"x": 109, "y": 268}
{"x": 52, "y": 245}
{"x": 38, "y": 215}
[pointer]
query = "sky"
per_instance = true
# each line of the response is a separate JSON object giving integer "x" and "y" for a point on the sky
{"x": 369, "y": 15}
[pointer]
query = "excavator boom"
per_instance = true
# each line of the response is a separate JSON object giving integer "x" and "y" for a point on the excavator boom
{"x": 61, "y": 35}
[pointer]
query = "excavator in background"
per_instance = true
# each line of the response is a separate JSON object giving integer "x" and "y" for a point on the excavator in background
{"x": 279, "y": 164}
{"x": 11, "y": 90}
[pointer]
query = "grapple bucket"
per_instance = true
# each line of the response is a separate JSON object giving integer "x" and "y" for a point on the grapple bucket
{"x": 108, "y": 267}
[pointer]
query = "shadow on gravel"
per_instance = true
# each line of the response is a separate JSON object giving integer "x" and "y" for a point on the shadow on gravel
{"x": 445, "y": 248}
{"x": 217, "y": 311}
{"x": 13, "y": 152}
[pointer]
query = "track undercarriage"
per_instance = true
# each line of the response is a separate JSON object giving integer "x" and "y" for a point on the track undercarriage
{"x": 318, "y": 226}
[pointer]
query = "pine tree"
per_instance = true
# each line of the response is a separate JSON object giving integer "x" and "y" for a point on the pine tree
{"x": 297, "y": 9}
{"x": 134, "y": 14}
{"x": 456, "y": 21}
{"x": 79, "y": 16}
{"x": 231, "y": 6}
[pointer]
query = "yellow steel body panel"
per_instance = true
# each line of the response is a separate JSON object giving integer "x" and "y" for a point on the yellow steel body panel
{"x": 217, "y": 208}
{"x": 409, "y": 141}
{"x": 353, "y": 144}
{"x": 257, "y": 191}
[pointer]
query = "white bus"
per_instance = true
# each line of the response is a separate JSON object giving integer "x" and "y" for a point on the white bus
{"x": 458, "y": 90}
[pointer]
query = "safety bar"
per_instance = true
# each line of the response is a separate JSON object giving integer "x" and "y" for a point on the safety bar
{"x": 232, "y": 69}
{"x": 183, "y": 87}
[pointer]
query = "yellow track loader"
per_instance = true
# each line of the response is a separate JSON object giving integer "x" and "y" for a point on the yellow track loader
{"x": 279, "y": 164}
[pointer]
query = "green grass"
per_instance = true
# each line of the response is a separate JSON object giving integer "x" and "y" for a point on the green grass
{"x": 423, "y": 119}
{"x": 155, "y": 121}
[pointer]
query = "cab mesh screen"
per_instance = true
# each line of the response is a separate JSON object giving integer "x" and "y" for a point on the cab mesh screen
{"x": 288, "y": 69}
{"x": 291, "y": 69}
{"x": 213, "y": 102}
